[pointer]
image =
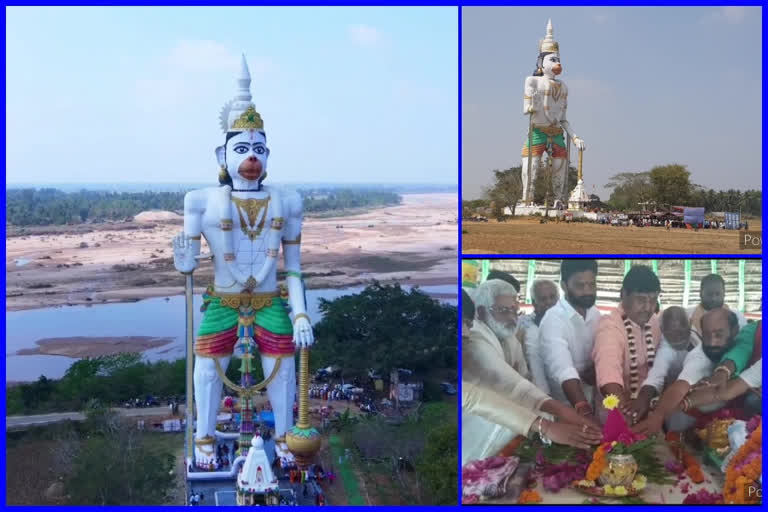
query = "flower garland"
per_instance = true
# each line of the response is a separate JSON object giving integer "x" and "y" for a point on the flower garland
{"x": 692, "y": 466}
{"x": 650, "y": 353}
{"x": 529, "y": 496}
{"x": 597, "y": 465}
{"x": 744, "y": 469}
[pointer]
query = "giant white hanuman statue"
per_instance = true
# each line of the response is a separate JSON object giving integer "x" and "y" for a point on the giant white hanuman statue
{"x": 244, "y": 222}
{"x": 545, "y": 101}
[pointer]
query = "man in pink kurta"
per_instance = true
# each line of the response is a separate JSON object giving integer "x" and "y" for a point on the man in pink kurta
{"x": 627, "y": 339}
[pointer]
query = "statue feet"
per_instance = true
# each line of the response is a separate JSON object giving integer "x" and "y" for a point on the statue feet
{"x": 205, "y": 453}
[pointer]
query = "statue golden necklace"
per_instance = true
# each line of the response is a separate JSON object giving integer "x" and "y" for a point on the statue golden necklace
{"x": 252, "y": 209}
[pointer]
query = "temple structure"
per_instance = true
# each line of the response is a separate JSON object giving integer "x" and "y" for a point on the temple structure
{"x": 256, "y": 483}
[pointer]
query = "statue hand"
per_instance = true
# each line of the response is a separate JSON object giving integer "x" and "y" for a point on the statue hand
{"x": 183, "y": 254}
{"x": 579, "y": 143}
{"x": 302, "y": 333}
{"x": 529, "y": 110}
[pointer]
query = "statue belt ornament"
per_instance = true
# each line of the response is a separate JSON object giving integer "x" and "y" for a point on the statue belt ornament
{"x": 550, "y": 130}
{"x": 256, "y": 301}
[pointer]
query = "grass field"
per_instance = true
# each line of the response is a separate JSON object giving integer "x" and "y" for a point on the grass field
{"x": 528, "y": 236}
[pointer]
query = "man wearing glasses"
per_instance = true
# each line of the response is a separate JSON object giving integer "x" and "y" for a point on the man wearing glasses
{"x": 497, "y": 303}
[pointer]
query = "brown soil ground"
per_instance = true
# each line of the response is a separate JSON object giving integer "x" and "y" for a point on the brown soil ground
{"x": 528, "y": 236}
{"x": 415, "y": 242}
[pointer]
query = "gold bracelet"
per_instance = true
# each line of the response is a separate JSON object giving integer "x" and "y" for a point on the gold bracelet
{"x": 724, "y": 369}
{"x": 301, "y": 315}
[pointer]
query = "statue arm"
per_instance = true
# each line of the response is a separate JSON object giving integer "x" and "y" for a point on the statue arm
{"x": 528, "y": 94}
{"x": 292, "y": 259}
{"x": 567, "y": 126}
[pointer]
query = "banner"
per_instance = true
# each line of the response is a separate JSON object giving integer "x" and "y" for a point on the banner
{"x": 732, "y": 220}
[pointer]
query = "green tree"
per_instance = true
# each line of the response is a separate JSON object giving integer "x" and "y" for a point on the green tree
{"x": 628, "y": 189}
{"x": 671, "y": 184}
{"x": 438, "y": 462}
{"x": 506, "y": 190}
{"x": 119, "y": 469}
{"x": 385, "y": 327}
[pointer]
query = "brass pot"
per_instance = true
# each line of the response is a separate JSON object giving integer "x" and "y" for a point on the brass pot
{"x": 619, "y": 470}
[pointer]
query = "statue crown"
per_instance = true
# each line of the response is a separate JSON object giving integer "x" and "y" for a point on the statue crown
{"x": 240, "y": 113}
{"x": 249, "y": 120}
{"x": 548, "y": 44}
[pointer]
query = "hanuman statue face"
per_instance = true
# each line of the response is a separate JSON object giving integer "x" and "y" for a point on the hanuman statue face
{"x": 246, "y": 155}
{"x": 551, "y": 64}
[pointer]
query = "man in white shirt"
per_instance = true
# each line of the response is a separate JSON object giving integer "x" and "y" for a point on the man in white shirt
{"x": 720, "y": 327}
{"x": 712, "y": 296}
{"x": 567, "y": 335}
{"x": 498, "y": 404}
{"x": 678, "y": 340}
{"x": 544, "y": 296}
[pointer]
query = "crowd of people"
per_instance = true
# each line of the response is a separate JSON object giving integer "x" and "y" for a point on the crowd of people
{"x": 546, "y": 373}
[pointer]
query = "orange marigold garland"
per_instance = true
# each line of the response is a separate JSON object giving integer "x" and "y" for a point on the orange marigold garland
{"x": 529, "y": 496}
{"x": 742, "y": 473}
{"x": 597, "y": 465}
{"x": 692, "y": 466}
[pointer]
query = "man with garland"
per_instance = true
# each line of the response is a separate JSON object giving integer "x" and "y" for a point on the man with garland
{"x": 627, "y": 339}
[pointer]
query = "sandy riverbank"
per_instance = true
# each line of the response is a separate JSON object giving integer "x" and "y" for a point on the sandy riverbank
{"x": 413, "y": 243}
{"x": 84, "y": 346}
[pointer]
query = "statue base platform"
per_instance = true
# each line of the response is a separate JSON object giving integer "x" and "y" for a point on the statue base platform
{"x": 522, "y": 211}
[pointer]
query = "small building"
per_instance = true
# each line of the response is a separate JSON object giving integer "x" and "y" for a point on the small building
{"x": 404, "y": 387}
{"x": 256, "y": 483}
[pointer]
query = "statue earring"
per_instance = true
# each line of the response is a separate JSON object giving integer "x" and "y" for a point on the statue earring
{"x": 223, "y": 174}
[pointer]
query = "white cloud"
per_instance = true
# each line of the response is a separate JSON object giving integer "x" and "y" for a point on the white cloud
{"x": 365, "y": 35}
{"x": 603, "y": 17}
{"x": 732, "y": 15}
{"x": 190, "y": 71}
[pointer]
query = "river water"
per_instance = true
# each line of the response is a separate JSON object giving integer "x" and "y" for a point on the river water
{"x": 158, "y": 317}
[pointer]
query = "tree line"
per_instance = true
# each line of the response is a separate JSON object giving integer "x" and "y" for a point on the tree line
{"x": 50, "y": 206}
{"x": 661, "y": 187}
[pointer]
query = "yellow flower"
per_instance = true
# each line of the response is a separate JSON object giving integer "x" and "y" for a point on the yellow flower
{"x": 586, "y": 483}
{"x": 620, "y": 490}
{"x": 639, "y": 483}
{"x": 607, "y": 489}
{"x": 610, "y": 402}
{"x": 614, "y": 443}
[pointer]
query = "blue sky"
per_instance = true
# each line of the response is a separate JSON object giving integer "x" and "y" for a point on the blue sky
{"x": 124, "y": 94}
{"x": 647, "y": 86}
